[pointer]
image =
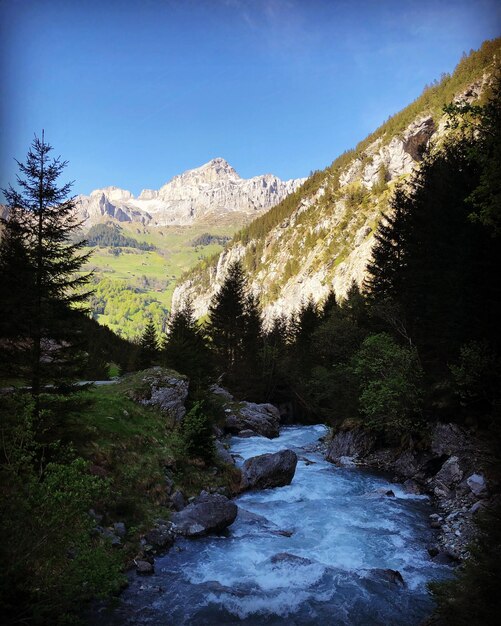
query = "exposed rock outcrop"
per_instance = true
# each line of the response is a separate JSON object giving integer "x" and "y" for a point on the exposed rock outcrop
{"x": 451, "y": 469}
{"x": 259, "y": 419}
{"x": 164, "y": 389}
{"x": 207, "y": 513}
{"x": 349, "y": 444}
{"x": 269, "y": 470}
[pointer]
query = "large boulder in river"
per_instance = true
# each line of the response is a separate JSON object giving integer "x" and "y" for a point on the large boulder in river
{"x": 261, "y": 419}
{"x": 163, "y": 388}
{"x": 206, "y": 514}
{"x": 269, "y": 470}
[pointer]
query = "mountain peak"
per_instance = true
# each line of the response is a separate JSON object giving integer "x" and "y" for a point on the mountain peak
{"x": 219, "y": 167}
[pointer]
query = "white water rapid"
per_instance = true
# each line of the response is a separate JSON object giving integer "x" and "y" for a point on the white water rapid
{"x": 341, "y": 530}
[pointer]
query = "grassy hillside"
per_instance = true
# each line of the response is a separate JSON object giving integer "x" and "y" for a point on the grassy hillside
{"x": 133, "y": 285}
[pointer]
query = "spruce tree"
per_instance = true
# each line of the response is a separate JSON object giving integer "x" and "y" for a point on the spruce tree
{"x": 38, "y": 232}
{"x": 185, "y": 349}
{"x": 234, "y": 330}
{"x": 149, "y": 349}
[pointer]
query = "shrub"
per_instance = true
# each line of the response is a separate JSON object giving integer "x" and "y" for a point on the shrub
{"x": 390, "y": 385}
{"x": 197, "y": 433}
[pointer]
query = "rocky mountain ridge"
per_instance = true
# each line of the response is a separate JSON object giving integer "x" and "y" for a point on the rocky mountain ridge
{"x": 321, "y": 238}
{"x": 204, "y": 193}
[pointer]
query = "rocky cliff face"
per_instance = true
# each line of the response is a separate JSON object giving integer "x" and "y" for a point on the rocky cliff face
{"x": 331, "y": 232}
{"x": 324, "y": 240}
{"x": 209, "y": 192}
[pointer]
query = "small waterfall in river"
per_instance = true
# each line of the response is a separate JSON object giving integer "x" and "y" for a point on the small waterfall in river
{"x": 311, "y": 553}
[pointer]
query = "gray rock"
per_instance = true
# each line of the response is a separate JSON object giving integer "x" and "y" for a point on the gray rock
{"x": 178, "y": 501}
{"x": 477, "y": 484}
{"x": 222, "y": 453}
{"x": 447, "y": 439}
{"x": 166, "y": 390}
{"x": 263, "y": 419}
{"x": 161, "y": 537}
{"x": 144, "y": 568}
{"x": 481, "y": 505}
{"x": 293, "y": 559}
{"x": 436, "y": 520}
{"x": 247, "y": 432}
{"x": 349, "y": 443}
{"x": 433, "y": 550}
{"x": 214, "y": 586}
{"x": 450, "y": 474}
{"x": 406, "y": 465}
{"x": 346, "y": 461}
{"x": 392, "y": 576}
{"x": 269, "y": 470}
{"x": 120, "y": 529}
{"x": 445, "y": 558}
{"x": 222, "y": 392}
{"x": 411, "y": 486}
{"x": 384, "y": 491}
{"x": 207, "y": 513}
{"x": 114, "y": 539}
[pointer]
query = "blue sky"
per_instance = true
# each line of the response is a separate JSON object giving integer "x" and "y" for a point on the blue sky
{"x": 134, "y": 92}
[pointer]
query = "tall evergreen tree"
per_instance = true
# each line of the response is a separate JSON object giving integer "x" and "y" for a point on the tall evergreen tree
{"x": 234, "y": 330}
{"x": 149, "y": 348}
{"x": 185, "y": 349}
{"x": 38, "y": 233}
{"x": 433, "y": 266}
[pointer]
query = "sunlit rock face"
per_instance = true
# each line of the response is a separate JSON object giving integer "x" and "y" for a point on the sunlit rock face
{"x": 324, "y": 244}
{"x": 211, "y": 192}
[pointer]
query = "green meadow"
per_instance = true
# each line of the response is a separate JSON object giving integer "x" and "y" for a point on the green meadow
{"x": 132, "y": 286}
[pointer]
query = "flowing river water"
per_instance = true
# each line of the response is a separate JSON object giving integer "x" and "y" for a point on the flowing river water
{"x": 343, "y": 532}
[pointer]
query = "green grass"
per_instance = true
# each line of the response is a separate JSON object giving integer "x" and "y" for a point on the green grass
{"x": 132, "y": 445}
{"x": 153, "y": 274}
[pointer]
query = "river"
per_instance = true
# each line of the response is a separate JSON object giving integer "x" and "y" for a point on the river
{"x": 340, "y": 529}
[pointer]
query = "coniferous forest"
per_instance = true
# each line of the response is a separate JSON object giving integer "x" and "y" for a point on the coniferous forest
{"x": 418, "y": 344}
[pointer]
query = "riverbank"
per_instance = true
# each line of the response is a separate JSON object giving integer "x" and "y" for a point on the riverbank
{"x": 330, "y": 543}
{"x": 453, "y": 465}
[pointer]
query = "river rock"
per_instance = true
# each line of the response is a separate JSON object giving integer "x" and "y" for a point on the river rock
{"x": 111, "y": 536}
{"x": 448, "y": 477}
{"x": 447, "y": 439}
{"x": 406, "y": 465}
{"x": 269, "y": 470}
{"x": 392, "y": 576}
{"x": 478, "y": 506}
{"x": 247, "y": 432}
{"x": 292, "y": 559}
{"x": 165, "y": 389}
{"x": 161, "y": 537}
{"x": 221, "y": 392}
{"x": 411, "y": 487}
{"x": 477, "y": 484}
{"x": 349, "y": 443}
{"x": 214, "y": 586}
{"x": 177, "y": 500}
{"x": 144, "y": 568}
{"x": 262, "y": 419}
{"x": 205, "y": 514}
{"x": 222, "y": 453}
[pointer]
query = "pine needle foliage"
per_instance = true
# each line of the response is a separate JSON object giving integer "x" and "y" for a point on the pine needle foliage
{"x": 39, "y": 245}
